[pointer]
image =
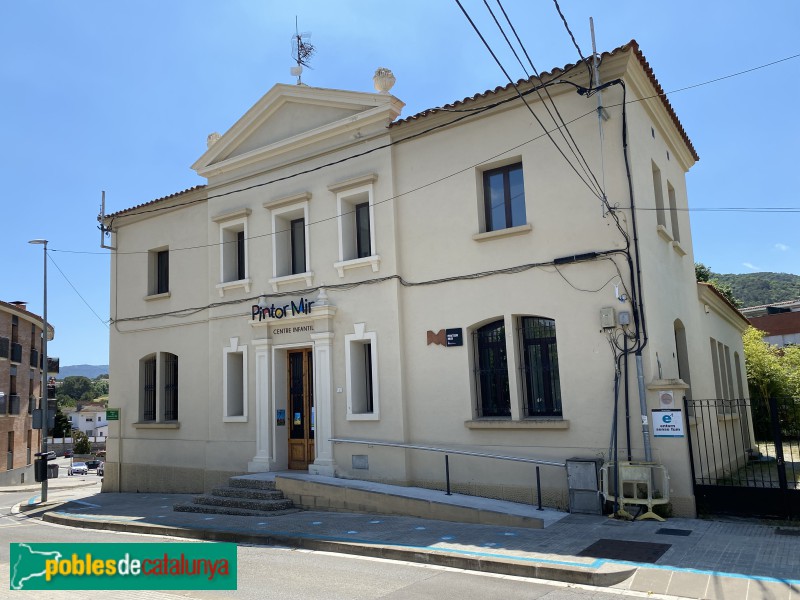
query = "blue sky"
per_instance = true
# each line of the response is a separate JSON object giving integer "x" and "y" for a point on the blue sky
{"x": 120, "y": 96}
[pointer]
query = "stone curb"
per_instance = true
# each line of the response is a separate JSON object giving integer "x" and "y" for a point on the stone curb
{"x": 38, "y": 487}
{"x": 604, "y": 576}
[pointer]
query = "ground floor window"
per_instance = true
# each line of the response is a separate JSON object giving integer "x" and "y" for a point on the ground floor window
{"x": 158, "y": 387}
{"x": 539, "y": 355}
{"x": 234, "y": 384}
{"x": 491, "y": 370}
{"x": 361, "y": 373}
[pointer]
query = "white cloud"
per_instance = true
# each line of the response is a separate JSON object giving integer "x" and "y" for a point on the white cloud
{"x": 751, "y": 266}
{"x": 781, "y": 247}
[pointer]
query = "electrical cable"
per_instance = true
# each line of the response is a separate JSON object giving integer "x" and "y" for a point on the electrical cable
{"x": 528, "y": 106}
{"x": 105, "y": 323}
{"x": 582, "y": 162}
{"x": 574, "y": 42}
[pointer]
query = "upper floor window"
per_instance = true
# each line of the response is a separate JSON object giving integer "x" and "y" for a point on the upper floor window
{"x": 355, "y": 203}
{"x": 158, "y": 272}
{"x": 491, "y": 370}
{"x": 234, "y": 261}
{"x": 673, "y": 212}
{"x": 504, "y": 197}
{"x": 539, "y": 355}
{"x": 297, "y": 241}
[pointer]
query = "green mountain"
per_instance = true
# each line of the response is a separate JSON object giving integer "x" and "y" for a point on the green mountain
{"x": 754, "y": 289}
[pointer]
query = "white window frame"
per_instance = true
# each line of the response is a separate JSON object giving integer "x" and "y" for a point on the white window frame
{"x": 233, "y": 221}
{"x": 234, "y": 348}
{"x": 347, "y": 195}
{"x": 361, "y": 337}
{"x": 282, "y": 212}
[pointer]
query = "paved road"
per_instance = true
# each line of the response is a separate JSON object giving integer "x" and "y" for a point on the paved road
{"x": 285, "y": 573}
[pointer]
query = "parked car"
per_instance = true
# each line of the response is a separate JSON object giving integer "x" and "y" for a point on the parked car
{"x": 50, "y": 455}
{"x": 101, "y": 470}
{"x": 68, "y": 453}
{"x": 93, "y": 464}
{"x": 78, "y": 468}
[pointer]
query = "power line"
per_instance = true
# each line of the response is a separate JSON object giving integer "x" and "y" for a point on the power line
{"x": 573, "y": 147}
{"x": 528, "y": 106}
{"x": 478, "y": 111}
{"x": 574, "y": 42}
{"x": 105, "y": 323}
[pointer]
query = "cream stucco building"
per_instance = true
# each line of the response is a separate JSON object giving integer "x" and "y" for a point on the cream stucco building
{"x": 444, "y": 280}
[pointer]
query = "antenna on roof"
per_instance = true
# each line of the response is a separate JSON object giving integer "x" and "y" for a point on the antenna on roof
{"x": 101, "y": 218}
{"x": 301, "y": 52}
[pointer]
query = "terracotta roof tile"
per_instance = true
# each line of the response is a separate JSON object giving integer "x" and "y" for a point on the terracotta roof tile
{"x": 156, "y": 201}
{"x": 632, "y": 45}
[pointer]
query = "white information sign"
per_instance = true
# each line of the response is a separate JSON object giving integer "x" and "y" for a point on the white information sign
{"x": 667, "y": 423}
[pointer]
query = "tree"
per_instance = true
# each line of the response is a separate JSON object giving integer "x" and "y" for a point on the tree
{"x": 81, "y": 443}
{"x": 76, "y": 386}
{"x": 62, "y": 425}
{"x": 703, "y": 274}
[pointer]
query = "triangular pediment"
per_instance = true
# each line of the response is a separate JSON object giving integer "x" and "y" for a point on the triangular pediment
{"x": 288, "y": 117}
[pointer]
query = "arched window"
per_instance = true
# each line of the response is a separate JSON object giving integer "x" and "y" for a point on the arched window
{"x": 491, "y": 370}
{"x": 539, "y": 354}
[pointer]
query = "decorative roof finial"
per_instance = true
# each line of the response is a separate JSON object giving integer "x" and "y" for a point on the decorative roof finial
{"x": 383, "y": 80}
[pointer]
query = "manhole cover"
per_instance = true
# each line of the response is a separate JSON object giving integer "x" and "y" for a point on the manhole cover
{"x": 667, "y": 531}
{"x": 647, "y": 552}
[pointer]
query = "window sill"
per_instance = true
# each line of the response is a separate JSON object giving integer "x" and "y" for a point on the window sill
{"x": 502, "y": 233}
{"x": 157, "y": 296}
{"x": 307, "y": 278}
{"x": 239, "y": 419}
{"x": 676, "y": 245}
{"x": 373, "y": 416}
{"x": 157, "y": 425}
{"x": 662, "y": 231}
{"x": 554, "y": 423}
{"x": 227, "y": 286}
{"x": 374, "y": 261}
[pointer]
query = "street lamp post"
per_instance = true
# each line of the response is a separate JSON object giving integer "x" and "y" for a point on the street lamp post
{"x": 43, "y": 391}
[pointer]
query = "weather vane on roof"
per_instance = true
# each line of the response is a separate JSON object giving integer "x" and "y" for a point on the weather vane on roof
{"x": 302, "y": 52}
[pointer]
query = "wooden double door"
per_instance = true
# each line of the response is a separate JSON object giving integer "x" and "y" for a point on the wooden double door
{"x": 300, "y": 377}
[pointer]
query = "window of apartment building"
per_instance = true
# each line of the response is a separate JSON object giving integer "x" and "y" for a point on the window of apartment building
{"x": 290, "y": 240}
{"x": 491, "y": 370}
{"x": 234, "y": 252}
{"x": 234, "y": 382}
{"x": 5, "y": 347}
{"x": 504, "y": 197}
{"x": 361, "y": 369}
{"x": 158, "y": 272}
{"x": 659, "y": 197}
{"x": 16, "y": 347}
{"x": 28, "y": 447}
{"x": 158, "y": 388}
{"x": 12, "y": 403}
{"x": 673, "y": 212}
{"x": 539, "y": 354}
{"x": 10, "y": 456}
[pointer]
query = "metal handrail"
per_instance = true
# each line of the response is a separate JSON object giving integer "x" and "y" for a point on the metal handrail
{"x": 450, "y": 451}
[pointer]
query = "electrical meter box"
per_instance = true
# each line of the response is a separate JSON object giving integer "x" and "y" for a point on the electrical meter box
{"x": 583, "y": 482}
{"x": 607, "y": 318}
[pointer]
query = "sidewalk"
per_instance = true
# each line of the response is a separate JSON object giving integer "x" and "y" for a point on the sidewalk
{"x": 690, "y": 558}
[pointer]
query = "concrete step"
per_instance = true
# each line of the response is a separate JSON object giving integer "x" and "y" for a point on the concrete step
{"x": 250, "y": 493}
{"x": 249, "y": 504}
{"x": 253, "y": 484}
{"x": 227, "y": 510}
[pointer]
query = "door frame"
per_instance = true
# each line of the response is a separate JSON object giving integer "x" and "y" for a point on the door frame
{"x": 301, "y": 452}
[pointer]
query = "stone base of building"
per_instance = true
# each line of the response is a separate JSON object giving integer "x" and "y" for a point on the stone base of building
{"x": 18, "y": 476}
{"x": 136, "y": 478}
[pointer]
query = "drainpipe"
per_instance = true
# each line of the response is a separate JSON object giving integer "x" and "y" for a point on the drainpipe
{"x": 648, "y": 453}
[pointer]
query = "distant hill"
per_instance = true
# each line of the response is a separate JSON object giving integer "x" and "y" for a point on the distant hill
{"x": 90, "y": 371}
{"x": 754, "y": 289}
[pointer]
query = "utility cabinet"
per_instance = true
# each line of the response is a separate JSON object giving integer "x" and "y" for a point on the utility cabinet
{"x": 583, "y": 482}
